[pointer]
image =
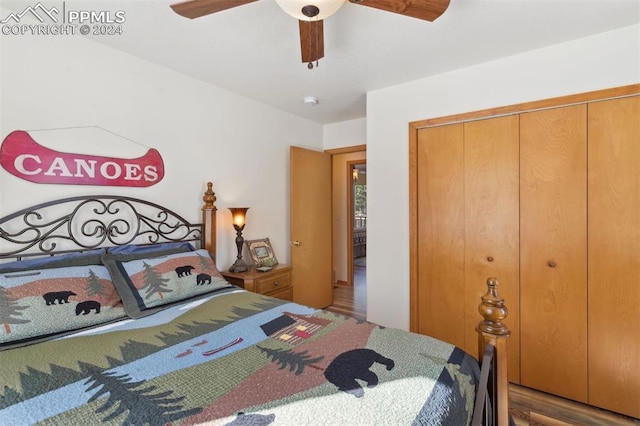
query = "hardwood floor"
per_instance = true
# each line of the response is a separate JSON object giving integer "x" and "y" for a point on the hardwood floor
{"x": 343, "y": 303}
{"x": 527, "y": 406}
{"x": 352, "y": 301}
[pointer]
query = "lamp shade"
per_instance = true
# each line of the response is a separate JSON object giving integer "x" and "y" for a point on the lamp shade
{"x": 326, "y": 7}
{"x": 239, "y": 214}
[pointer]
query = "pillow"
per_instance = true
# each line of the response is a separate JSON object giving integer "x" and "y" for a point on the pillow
{"x": 148, "y": 283}
{"x": 49, "y": 261}
{"x": 41, "y": 303}
{"x": 179, "y": 247}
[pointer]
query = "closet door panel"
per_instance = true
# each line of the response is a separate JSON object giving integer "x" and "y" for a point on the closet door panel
{"x": 491, "y": 163}
{"x": 614, "y": 255}
{"x": 553, "y": 269}
{"x": 441, "y": 233}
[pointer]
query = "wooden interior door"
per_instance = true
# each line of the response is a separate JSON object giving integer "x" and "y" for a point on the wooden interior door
{"x": 440, "y": 186}
{"x": 311, "y": 236}
{"x": 614, "y": 255}
{"x": 491, "y": 188}
{"x": 553, "y": 233}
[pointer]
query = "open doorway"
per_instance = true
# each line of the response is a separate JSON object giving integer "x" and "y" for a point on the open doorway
{"x": 349, "y": 231}
{"x": 357, "y": 231}
{"x": 357, "y": 217}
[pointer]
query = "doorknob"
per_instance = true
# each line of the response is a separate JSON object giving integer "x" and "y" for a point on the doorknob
{"x": 296, "y": 243}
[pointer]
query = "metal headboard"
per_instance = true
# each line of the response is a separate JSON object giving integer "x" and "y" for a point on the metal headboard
{"x": 90, "y": 222}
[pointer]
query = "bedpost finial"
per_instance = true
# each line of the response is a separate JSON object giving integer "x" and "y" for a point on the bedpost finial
{"x": 209, "y": 197}
{"x": 493, "y": 311}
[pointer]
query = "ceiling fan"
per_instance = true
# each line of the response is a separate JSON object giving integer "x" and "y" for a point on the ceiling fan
{"x": 311, "y": 13}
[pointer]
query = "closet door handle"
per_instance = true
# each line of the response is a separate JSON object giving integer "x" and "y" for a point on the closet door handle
{"x": 551, "y": 264}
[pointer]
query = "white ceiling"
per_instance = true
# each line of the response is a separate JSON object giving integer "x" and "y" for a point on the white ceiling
{"x": 254, "y": 49}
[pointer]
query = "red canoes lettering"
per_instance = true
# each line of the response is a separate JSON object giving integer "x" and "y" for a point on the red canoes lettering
{"x": 23, "y": 157}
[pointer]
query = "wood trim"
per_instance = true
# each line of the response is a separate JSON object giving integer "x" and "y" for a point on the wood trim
{"x": 413, "y": 228}
{"x": 585, "y": 97}
{"x": 346, "y": 149}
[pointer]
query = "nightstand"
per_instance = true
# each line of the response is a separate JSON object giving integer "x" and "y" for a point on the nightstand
{"x": 274, "y": 283}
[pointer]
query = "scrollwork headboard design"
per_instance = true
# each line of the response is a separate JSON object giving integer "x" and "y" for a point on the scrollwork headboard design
{"x": 90, "y": 222}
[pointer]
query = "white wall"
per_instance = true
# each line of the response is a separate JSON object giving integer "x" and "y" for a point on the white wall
{"x": 338, "y": 135}
{"x": 607, "y": 60}
{"x": 345, "y": 133}
{"x": 202, "y": 132}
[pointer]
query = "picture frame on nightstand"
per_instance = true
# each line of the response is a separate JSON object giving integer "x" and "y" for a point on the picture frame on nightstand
{"x": 261, "y": 253}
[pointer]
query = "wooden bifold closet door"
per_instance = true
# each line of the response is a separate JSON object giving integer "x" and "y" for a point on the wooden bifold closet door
{"x": 441, "y": 233}
{"x": 491, "y": 224}
{"x": 467, "y": 227}
{"x": 553, "y": 253}
{"x": 614, "y": 255}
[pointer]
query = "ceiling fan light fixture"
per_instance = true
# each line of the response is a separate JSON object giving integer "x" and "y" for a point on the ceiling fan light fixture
{"x": 325, "y": 8}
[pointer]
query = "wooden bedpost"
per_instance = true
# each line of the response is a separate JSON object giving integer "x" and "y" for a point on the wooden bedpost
{"x": 209, "y": 219}
{"x": 492, "y": 331}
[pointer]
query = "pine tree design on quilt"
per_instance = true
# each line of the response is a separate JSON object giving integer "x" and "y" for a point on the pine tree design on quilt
{"x": 295, "y": 360}
{"x": 94, "y": 286}
{"x": 139, "y": 403}
{"x": 154, "y": 283}
{"x": 35, "y": 382}
{"x": 205, "y": 263}
{"x": 10, "y": 310}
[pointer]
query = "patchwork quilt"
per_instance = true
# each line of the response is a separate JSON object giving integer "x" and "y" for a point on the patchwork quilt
{"x": 238, "y": 358}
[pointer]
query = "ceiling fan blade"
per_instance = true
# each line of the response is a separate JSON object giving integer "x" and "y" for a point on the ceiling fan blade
{"x": 428, "y": 10}
{"x": 197, "y": 8}
{"x": 311, "y": 40}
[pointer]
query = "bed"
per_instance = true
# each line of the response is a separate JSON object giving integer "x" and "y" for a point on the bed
{"x": 112, "y": 311}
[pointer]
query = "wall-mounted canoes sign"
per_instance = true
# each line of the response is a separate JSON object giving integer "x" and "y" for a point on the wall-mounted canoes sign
{"x": 27, "y": 159}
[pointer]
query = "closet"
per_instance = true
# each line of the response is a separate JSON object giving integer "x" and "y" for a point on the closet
{"x": 545, "y": 197}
